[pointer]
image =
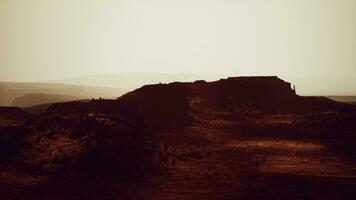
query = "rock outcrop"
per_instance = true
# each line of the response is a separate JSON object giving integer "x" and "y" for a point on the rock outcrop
{"x": 93, "y": 141}
{"x": 178, "y": 104}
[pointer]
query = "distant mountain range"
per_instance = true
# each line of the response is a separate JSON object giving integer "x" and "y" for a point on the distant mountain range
{"x": 31, "y": 99}
{"x": 23, "y": 94}
{"x": 345, "y": 99}
{"x": 132, "y": 81}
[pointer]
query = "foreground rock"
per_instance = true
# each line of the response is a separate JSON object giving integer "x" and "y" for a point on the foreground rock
{"x": 89, "y": 146}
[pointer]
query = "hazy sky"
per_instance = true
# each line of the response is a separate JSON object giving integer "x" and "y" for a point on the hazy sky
{"x": 56, "y": 39}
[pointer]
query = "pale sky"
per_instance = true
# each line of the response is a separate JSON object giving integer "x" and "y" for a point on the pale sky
{"x": 59, "y": 39}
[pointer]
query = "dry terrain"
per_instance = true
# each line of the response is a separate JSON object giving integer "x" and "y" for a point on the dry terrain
{"x": 236, "y": 138}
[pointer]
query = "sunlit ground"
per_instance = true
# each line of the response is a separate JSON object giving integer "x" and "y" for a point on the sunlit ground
{"x": 294, "y": 157}
{"x": 286, "y": 145}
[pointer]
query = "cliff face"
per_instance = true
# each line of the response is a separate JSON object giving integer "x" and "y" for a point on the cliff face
{"x": 177, "y": 104}
{"x": 262, "y": 94}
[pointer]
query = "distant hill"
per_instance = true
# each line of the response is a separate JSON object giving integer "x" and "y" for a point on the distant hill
{"x": 9, "y": 91}
{"x": 345, "y": 99}
{"x": 39, "y": 99}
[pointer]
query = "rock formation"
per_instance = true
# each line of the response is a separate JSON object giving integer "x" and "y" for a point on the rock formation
{"x": 178, "y": 104}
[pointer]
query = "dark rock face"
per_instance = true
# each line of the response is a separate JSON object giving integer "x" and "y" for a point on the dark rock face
{"x": 10, "y": 142}
{"x": 162, "y": 105}
{"x": 83, "y": 142}
{"x": 12, "y": 130}
{"x": 178, "y": 104}
{"x": 266, "y": 95}
{"x": 13, "y": 113}
{"x": 263, "y": 94}
{"x": 111, "y": 149}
